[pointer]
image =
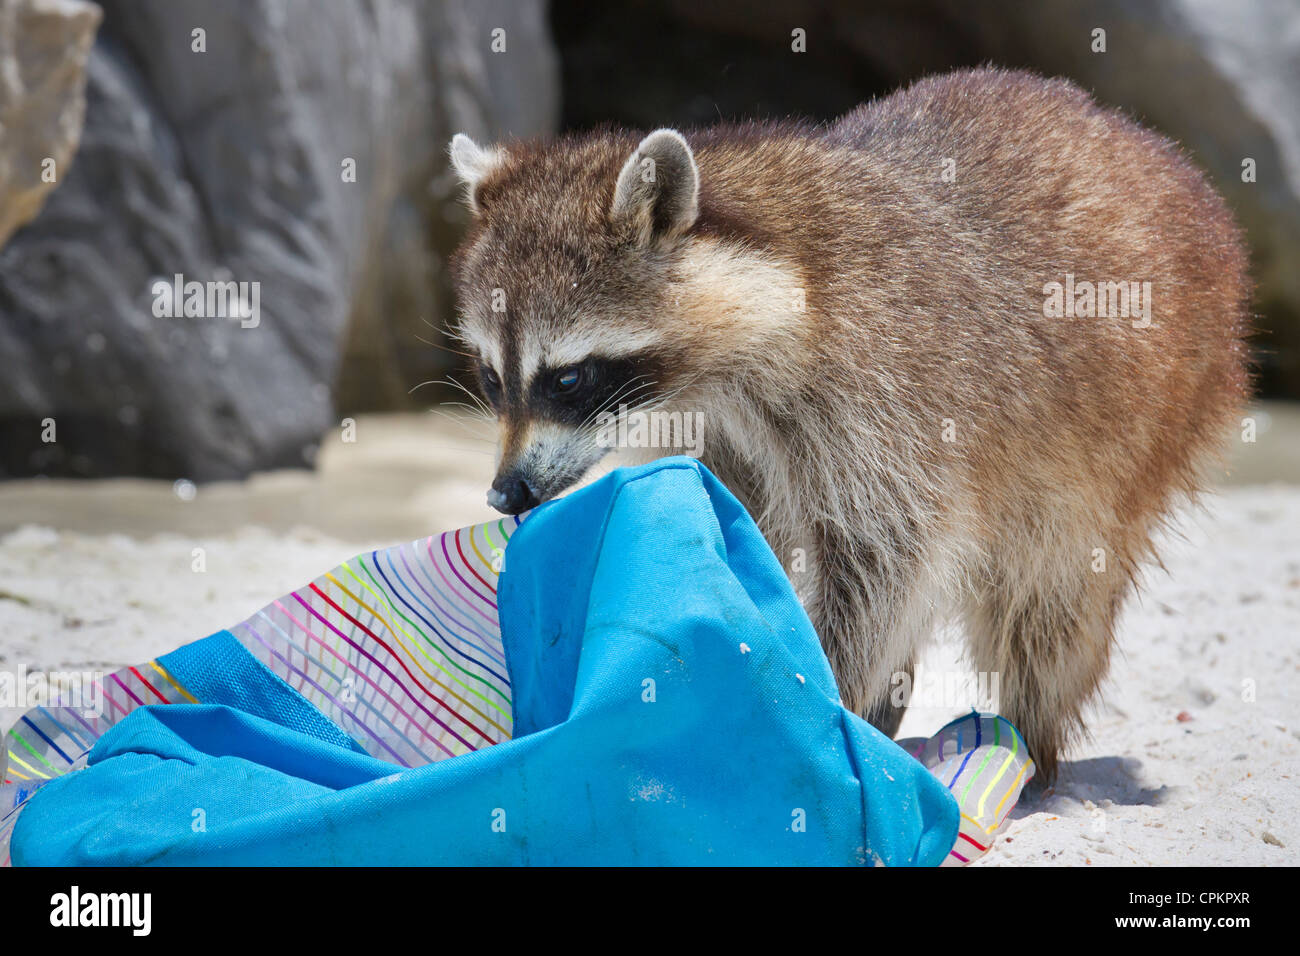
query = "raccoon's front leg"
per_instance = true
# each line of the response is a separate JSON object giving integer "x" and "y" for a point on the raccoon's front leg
{"x": 887, "y": 713}
{"x": 863, "y": 600}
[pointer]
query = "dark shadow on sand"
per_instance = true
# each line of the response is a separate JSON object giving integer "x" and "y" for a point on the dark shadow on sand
{"x": 1099, "y": 779}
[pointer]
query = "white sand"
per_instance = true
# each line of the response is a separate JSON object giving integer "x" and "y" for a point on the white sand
{"x": 1195, "y": 749}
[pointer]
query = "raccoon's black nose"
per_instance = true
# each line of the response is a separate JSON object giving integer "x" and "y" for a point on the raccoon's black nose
{"x": 511, "y": 495}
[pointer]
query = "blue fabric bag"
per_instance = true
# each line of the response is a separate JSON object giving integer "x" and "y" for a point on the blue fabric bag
{"x": 671, "y": 705}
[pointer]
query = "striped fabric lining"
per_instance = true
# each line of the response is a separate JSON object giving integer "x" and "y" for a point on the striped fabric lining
{"x": 400, "y": 648}
{"x": 983, "y": 760}
{"x": 48, "y": 742}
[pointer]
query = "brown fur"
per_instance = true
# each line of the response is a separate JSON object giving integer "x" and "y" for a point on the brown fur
{"x": 924, "y": 303}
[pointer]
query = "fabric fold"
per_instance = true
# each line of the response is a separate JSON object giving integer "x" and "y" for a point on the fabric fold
{"x": 669, "y": 701}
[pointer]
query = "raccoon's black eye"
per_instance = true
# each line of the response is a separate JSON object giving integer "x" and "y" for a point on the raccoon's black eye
{"x": 491, "y": 381}
{"x": 568, "y": 380}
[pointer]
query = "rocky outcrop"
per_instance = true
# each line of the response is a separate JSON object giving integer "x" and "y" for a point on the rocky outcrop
{"x": 44, "y": 45}
{"x": 285, "y": 159}
{"x": 297, "y": 148}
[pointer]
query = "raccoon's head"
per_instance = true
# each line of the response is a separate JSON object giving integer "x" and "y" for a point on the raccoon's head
{"x": 570, "y": 288}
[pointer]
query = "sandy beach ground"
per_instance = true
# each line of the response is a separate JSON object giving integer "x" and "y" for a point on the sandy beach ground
{"x": 1194, "y": 756}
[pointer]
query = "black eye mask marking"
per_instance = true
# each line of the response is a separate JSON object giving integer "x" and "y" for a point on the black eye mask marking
{"x": 568, "y": 380}
{"x": 574, "y": 394}
{"x": 491, "y": 385}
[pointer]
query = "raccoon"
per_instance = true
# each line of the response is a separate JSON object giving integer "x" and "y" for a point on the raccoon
{"x": 959, "y": 353}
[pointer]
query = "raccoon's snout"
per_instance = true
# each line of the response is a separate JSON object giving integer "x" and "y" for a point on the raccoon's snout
{"x": 512, "y": 495}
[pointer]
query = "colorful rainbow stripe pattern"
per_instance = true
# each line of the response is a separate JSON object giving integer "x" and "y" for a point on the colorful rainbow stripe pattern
{"x": 400, "y": 648}
{"x": 983, "y": 760}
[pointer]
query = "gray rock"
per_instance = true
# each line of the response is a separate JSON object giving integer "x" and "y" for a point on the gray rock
{"x": 227, "y": 164}
{"x": 43, "y": 49}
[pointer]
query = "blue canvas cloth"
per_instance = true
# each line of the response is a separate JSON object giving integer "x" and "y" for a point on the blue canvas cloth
{"x": 672, "y": 705}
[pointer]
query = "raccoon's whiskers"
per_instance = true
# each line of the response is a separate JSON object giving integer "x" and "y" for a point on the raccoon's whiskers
{"x": 446, "y": 331}
{"x": 593, "y": 424}
{"x": 620, "y": 395}
{"x": 456, "y": 448}
{"x": 472, "y": 410}
{"x": 470, "y": 433}
{"x": 472, "y": 397}
{"x": 654, "y": 402}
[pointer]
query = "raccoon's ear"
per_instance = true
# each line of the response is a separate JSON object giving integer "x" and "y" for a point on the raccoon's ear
{"x": 473, "y": 163}
{"x": 658, "y": 189}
